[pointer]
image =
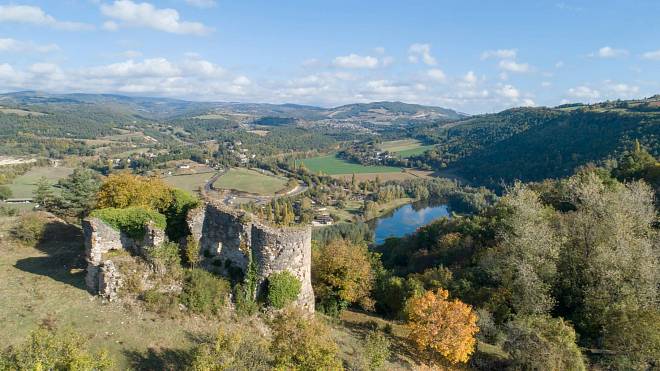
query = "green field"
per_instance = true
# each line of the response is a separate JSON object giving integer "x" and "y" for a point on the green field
{"x": 405, "y": 147}
{"x": 331, "y": 165}
{"x": 24, "y": 185}
{"x": 251, "y": 181}
{"x": 189, "y": 182}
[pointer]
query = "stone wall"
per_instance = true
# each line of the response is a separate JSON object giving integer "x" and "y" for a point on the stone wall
{"x": 228, "y": 236}
{"x": 102, "y": 276}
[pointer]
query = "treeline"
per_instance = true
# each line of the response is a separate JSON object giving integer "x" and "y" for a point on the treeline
{"x": 548, "y": 267}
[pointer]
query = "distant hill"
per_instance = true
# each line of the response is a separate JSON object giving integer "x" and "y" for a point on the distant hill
{"x": 387, "y": 111}
{"x": 538, "y": 143}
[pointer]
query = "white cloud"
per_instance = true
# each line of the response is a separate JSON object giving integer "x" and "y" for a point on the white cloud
{"x": 499, "y": 54}
{"x": 652, "y": 55}
{"x": 36, "y": 16}
{"x": 129, "y": 13}
{"x": 204, "y": 4}
{"x": 513, "y": 66}
{"x": 387, "y": 61}
{"x": 584, "y": 92}
{"x": 527, "y": 102}
{"x": 423, "y": 52}
{"x": 621, "y": 90}
{"x": 16, "y": 46}
{"x": 509, "y": 92}
{"x": 157, "y": 67}
{"x": 470, "y": 78}
{"x": 609, "y": 52}
{"x": 437, "y": 74}
{"x": 356, "y": 61}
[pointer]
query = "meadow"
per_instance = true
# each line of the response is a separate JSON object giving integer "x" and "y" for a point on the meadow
{"x": 189, "y": 182}
{"x": 25, "y": 185}
{"x": 251, "y": 181}
{"x": 405, "y": 147}
{"x": 331, "y": 165}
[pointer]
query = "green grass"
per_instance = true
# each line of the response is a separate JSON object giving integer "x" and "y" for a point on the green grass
{"x": 251, "y": 181}
{"x": 331, "y": 165}
{"x": 25, "y": 185}
{"x": 188, "y": 182}
{"x": 405, "y": 147}
{"x": 47, "y": 282}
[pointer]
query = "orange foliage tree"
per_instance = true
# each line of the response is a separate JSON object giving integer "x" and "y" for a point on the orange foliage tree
{"x": 442, "y": 326}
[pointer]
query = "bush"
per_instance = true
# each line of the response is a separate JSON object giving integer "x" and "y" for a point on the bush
{"x": 30, "y": 228}
{"x": 203, "y": 292}
{"x": 191, "y": 252}
{"x": 302, "y": 342}
{"x": 283, "y": 288}
{"x": 130, "y": 220}
{"x": 376, "y": 350}
{"x": 244, "y": 302}
{"x": 5, "y": 192}
{"x": 237, "y": 349}
{"x": 160, "y": 302}
{"x": 48, "y": 350}
{"x": 165, "y": 257}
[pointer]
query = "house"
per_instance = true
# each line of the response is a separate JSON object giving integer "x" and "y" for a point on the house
{"x": 183, "y": 166}
{"x": 320, "y": 220}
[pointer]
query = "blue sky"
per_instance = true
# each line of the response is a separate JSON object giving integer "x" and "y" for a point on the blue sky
{"x": 473, "y": 56}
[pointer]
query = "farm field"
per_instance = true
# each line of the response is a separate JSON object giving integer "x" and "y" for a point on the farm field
{"x": 189, "y": 182}
{"x": 24, "y": 185}
{"x": 331, "y": 165}
{"x": 405, "y": 147}
{"x": 408, "y": 174}
{"x": 250, "y": 181}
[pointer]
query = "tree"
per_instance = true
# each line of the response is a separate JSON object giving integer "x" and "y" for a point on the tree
{"x": 124, "y": 190}
{"x": 633, "y": 336}
{"x": 79, "y": 192}
{"x": 442, "y": 327}
{"x": 525, "y": 260}
{"x": 342, "y": 275}
{"x": 43, "y": 195}
{"x": 542, "y": 343}
{"x": 609, "y": 263}
{"x": 301, "y": 342}
{"x": 5, "y": 192}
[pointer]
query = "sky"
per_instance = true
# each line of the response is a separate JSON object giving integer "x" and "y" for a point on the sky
{"x": 468, "y": 55}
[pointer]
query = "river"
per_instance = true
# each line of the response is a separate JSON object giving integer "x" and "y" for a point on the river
{"x": 406, "y": 219}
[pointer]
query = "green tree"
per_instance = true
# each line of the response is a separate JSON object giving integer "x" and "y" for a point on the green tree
{"x": 525, "y": 260}
{"x": 542, "y": 343}
{"x": 78, "y": 192}
{"x": 43, "y": 195}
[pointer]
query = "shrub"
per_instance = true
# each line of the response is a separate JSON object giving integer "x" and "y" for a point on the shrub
{"x": 130, "y": 220}
{"x": 237, "y": 349}
{"x": 302, "y": 342}
{"x": 244, "y": 302}
{"x": 160, "y": 302}
{"x": 376, "y": 350}
{"x": 49, "y": 350}
{"x": 165, "y": 256}
{"x": 191, "y": 252}
{"x": 203, "y": 292}
{"x": 283, "y": 288}
{"x": 30, "y": 228}
{"x": 5, "y": 192}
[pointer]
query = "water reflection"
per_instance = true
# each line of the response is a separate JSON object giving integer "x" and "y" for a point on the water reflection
{"x": 407, "y": 219}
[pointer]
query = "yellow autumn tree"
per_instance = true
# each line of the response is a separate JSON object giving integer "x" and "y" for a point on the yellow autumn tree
{"x": 125, "y": 189}
{"x": 441, "y": 326}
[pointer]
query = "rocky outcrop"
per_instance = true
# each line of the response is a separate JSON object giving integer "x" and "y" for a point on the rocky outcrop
{"x": 102, "y": 276}
{"x": 229, "y": 237}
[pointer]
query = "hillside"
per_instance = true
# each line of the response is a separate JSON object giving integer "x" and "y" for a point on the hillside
{"x": 537, "y": 143}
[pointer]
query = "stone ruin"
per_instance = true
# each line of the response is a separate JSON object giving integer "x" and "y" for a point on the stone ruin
{"x": 227, "y": 238}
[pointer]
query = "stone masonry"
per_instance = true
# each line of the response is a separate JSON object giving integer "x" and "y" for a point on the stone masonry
{"x": 228, "y": 236}
{"x": 102, "y": 276}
